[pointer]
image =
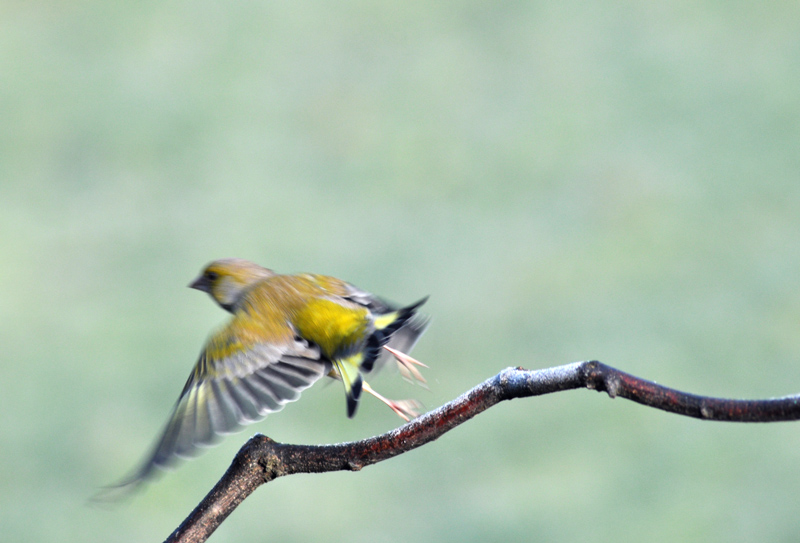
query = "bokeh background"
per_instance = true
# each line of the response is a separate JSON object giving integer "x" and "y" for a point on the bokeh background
{"x": 568, "y": 180}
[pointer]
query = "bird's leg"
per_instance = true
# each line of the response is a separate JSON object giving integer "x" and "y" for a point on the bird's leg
{"x": 406, "y": 364}
{"x": 405, "y": 409}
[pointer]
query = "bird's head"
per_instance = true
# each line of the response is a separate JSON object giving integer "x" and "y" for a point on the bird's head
{"x": 228, "y": 279}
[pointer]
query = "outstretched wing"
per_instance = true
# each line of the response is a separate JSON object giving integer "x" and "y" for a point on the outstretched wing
{"x": 238, "y": 380}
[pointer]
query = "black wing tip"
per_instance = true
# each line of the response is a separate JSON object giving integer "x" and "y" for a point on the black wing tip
{"x": 151, "y": 469}
{"x": 416, "y": 305}
{"x": 406, "y": 315}
{"x": 122, "y": 491}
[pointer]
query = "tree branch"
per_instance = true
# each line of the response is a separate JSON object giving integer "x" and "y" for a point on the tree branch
{"x": 261, "y": 459}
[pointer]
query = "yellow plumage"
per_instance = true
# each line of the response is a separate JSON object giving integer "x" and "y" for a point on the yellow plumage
{"x": 286, "y": 332}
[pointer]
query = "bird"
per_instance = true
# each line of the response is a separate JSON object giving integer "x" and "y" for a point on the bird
{"x": 285, "y": 333}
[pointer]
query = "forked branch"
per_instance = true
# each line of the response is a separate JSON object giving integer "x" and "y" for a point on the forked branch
{"x": 261, "y": 459}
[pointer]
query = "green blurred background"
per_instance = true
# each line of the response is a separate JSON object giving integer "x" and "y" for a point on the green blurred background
{"x": 567, "y": 180}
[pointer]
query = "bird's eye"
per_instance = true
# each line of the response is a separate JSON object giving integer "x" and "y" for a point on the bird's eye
{"x": 212, "y": 276}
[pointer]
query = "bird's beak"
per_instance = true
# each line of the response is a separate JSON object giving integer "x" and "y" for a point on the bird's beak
{"x": 201, "y": 283}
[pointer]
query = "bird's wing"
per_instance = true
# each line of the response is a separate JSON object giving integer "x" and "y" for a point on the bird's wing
{"x": 375, "y": 304}
{"x": 345, "y": 290}
{"x": 403, "y": 339}
{"x": 238, "y": 380}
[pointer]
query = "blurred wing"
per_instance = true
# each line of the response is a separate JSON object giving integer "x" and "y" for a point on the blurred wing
{"x": 237, "y": 381}
{"x": 337, "y": 287}
{"x": 404, "y": 339}
{"x": 370, "y": 301}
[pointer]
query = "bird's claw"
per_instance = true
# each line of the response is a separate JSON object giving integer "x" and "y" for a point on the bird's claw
{"x": 405, "y": 409}
{"x": 407, "y": 366}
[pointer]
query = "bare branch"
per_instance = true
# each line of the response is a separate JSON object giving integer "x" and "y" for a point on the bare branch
{"x": 261, "y": 459}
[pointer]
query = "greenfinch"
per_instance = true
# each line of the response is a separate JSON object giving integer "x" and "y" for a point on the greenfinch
{"x": 286, "y": 332}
